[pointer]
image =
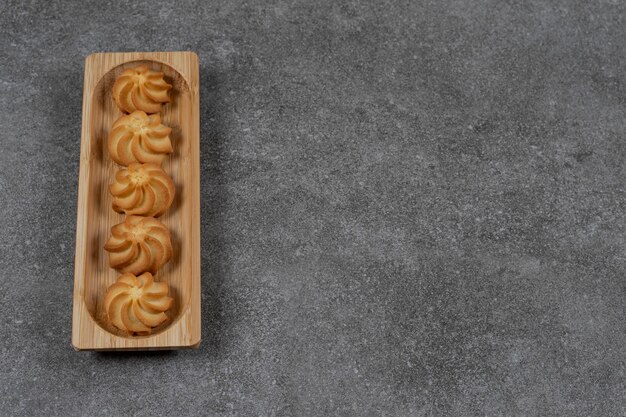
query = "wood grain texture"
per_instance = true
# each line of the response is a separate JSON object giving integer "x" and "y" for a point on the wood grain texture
{"x": 92, "y": 275}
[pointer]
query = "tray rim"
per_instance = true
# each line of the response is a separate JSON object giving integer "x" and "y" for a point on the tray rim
{"x": 83, "y": 324}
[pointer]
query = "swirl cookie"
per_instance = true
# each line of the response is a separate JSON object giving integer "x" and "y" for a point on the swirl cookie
{"x": 139, "y": 137}
{"x": 143, "y": 189}
{"x": 136, "y": 304}
{"x": 140, "y": 88}
{"x": 140, "y": 244}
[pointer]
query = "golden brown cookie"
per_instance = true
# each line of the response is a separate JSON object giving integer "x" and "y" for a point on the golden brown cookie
{"x": 143, "y": 189}
{"x": 140, "y": 88}
{"x": 136, "y": 304}
{"x": 140, "y": 244}
{"x": 139, "y": 137}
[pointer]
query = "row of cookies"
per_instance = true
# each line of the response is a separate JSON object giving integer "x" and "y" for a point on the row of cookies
{"x": 143, "y": 191}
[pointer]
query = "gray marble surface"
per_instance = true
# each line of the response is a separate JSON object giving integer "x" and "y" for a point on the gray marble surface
{"x": 408, "y": 209}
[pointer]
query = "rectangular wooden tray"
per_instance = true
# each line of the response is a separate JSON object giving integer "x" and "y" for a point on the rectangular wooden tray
{"x": 92, "y": 275}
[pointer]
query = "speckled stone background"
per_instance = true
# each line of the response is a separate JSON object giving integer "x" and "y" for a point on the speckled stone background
{"x": 408, "y": 209}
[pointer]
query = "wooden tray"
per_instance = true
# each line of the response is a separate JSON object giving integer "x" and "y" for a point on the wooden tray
{"x": 92, "y": 276}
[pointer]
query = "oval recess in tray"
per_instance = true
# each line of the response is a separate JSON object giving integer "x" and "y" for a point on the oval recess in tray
{"x": 101, "y": 216}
